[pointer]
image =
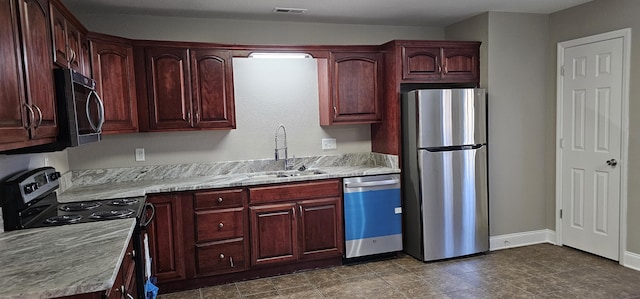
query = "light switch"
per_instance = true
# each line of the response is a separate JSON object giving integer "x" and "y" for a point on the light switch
{"x": 139, "y": 154}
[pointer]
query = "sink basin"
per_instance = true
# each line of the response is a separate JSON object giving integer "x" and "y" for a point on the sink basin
{"x": 288, "y": 173}
{"x": 285, "y": 173}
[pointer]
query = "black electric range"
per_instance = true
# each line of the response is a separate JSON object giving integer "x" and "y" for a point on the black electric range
{"x": 29, "y": 201}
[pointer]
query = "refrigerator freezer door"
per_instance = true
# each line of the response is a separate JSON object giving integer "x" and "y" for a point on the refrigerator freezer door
{"x": 454, "y": 202}
{"x": 450, "y": 117}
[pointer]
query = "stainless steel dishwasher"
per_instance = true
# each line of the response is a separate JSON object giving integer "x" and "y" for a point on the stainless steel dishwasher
{"x": 372, "y": 215}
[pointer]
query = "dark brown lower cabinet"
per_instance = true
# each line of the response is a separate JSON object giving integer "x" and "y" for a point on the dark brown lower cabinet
{"x": 306, "y": 226}
{"x": 274, "y": 234}
{"x": 166, "y": 244}
{"x": 208, "y": 237}
{"x": 220, "y": 234}
{"x": 321, "y": 228}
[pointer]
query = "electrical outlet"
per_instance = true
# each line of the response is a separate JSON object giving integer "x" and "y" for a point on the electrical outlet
{"x": 328, "y": 143}
{"x": 139, "y": 154}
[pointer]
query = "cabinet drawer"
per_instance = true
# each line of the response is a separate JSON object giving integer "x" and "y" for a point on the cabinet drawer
{"x": 218, "y": 199}
{"x": 295, "y": 191}
{"x": 221, "y": 257}
{"x": 219, "y": 224}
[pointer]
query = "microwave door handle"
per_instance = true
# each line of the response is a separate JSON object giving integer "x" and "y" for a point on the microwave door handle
{"x": 100, "y": 111}
{"x": 88, "y": 112}
{"x": 96, "y": 128}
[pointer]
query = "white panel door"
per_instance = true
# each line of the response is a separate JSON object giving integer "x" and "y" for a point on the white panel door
{"x": 591, "y": 146}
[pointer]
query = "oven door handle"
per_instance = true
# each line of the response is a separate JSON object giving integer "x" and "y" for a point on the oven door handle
{"x": 146, "y": 222}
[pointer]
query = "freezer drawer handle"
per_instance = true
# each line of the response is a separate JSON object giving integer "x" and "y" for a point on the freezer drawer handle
{"x": 372, "y": 184}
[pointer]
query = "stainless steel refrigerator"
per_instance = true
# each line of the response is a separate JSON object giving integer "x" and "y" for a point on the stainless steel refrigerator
{"x": 444, "y": 158}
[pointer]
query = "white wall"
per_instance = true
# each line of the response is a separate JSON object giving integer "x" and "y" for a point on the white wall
{"x": 251, "y": 32}
{"x": 10, "y": 164}
{"x": 516, "y": 85}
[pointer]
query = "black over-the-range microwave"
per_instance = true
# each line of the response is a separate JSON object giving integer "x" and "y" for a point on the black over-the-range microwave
{"x": 79, "y": 109}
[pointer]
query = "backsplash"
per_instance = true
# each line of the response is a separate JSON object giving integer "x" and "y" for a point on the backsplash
{"x": 171, "y": 171}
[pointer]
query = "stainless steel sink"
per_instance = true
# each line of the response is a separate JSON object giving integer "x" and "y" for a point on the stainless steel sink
{"x": 285, "y": 173}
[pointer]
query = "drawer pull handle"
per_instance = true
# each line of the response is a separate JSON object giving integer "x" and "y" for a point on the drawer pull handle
{"x": 231, "y": 261}
{"x": 220, "y": 225}
{"x": 219, "y": 199}
{"x": 221, "y": 256}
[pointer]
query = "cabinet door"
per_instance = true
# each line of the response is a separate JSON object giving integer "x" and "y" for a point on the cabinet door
{"x": 113, "y": 72}
{"x": 321, "y": 233}
{"x": 74, "y": 39}
{"x": 59, "y": 31}
{"x": 39, "y": 67}
{"x": 356, "y": 87}
{"x": 85, "y": 57}
{"x": 460, "y": 64}
{"x": 421, "y": 63}
{"x": 166, "y": 238}
{"x": 167, "y": 88}
{"x": 12, "y": 126}
{"x": 212, "y": 80}
{"x": 274, "y": 236}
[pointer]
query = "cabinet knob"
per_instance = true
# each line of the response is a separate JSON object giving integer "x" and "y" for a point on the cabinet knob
{"x": 221, "y": 256}
{"x": 220, "y": 225}
{"x": 219, "y": 199}
{"x": 132, "y": 254}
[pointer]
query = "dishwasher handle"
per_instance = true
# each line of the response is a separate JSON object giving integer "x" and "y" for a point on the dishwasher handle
{"x": 372, "y": 183}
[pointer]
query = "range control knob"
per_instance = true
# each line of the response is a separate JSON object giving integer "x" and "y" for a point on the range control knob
{"x": 54, "y": 176}
{"x": 29, "y": 188}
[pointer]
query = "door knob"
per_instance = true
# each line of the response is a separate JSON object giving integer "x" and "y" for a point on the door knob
{"x": 612, "y": 162}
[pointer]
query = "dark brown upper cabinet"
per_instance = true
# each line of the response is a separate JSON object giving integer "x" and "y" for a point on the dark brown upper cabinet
{"x": 28, "y": 116}
{"x": 70, "y": 45}
{"x": 188, "y": 89}
{"x": 113, "y": 71}
{"x": 441, "y": 62}
{"x": 212, "y": 83}
{"x": 354, "y": 91}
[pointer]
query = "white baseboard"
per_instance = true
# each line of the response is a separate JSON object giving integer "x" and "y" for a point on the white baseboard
{"x": 522, "y": 239}
{"x": 631, "y": 260}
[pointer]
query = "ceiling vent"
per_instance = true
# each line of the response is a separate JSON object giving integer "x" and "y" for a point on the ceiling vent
{"x": 289, "y": 10}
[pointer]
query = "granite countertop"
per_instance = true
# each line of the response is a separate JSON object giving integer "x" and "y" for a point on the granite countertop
{"x": 142, "y": 188}
{"x": 133, "y": 182}
{"x": 64, "y": 260}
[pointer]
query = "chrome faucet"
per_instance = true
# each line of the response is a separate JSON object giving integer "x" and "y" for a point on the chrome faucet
{"x": 277, "y": 150}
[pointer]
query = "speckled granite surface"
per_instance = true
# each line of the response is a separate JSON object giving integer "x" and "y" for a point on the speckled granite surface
{"x": 139, "y": 181}
{"x": 64, "y": 260}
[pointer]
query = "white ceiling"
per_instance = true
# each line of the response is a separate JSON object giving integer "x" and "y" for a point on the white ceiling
{"x": 435, "y": 13}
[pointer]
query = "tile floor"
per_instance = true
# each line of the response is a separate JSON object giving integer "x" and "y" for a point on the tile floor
{"x": 537, "y": 271}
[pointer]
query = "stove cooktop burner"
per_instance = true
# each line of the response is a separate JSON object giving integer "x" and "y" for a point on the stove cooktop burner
{"x": 63, "y": 219}
{"x": 112, "y": 214}
{"x": 79, "y": 206}
{"x": 123, "y": 202}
